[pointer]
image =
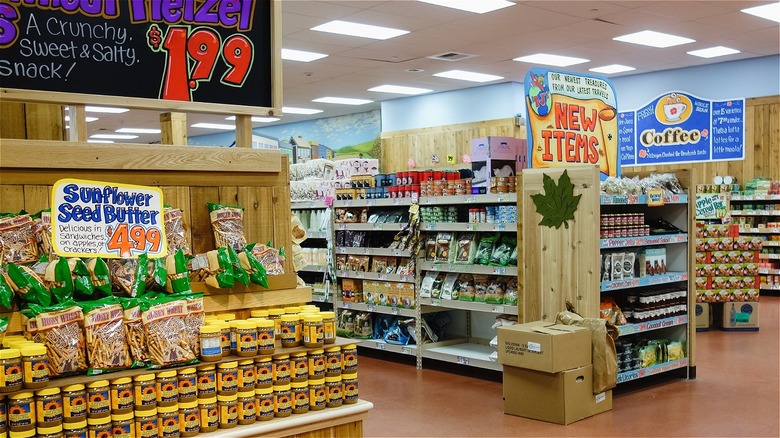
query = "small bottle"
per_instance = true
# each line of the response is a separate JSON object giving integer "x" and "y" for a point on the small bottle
{"x": 75, "y": 429}
{"x": 207, "y": 381}
{"x": 99, "y": 427}
{"x": 168, "y": 421}
{"x": 282, "y": 400}
{"x": 264, "y": 403}
{"x": 228, "y": 411}
{"x": 281, "y": 368}
{"x": 98, "y": 400}
{"x": 167, "y": 386}
{"x": 121, "y": 393}
{"x": 10, "y": 370}
{"x": 188, "y": 384}
{"x": 144, "y": 392}
{"x": 122, "y": 425}
{"x": 349, "y": 382}
{"x": 300, "y": 397}
{"x": 329, "y": 327}
{"x": 227, "y": 378}
{"x": 210, "y": 343}
{"x": 146, "y": 423}
{"x": 246, "y": 375}
{"x": 335, "y": 391}
{"x": 247, "y": 412}
{"x": 48, "y": 407}
{"x": 299, "y": 363}
{"x": 266, "y": 337}
{"x": 74, "y": 404}
{"x": 189, "y": 418}
{"x": 246, "y": 338}
{"x": 209, "y": 414}
{"x": 317, "y": 363}
{"x": 35, "y": 365}
{"x": 318, "y": 394}
{"x": 264, "y": 372}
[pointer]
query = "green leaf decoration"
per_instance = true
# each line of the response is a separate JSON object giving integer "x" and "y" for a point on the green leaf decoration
{"x": 558, "y": 203}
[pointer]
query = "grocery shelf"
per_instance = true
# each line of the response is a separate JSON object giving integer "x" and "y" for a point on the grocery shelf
{"x": 738, "y": 197}
{"x": 765, "y": 286}
{"x": 320, "y": 298}
{"x": 648, "y": 280}
{"x": 317, "y": 234}
{"x": 378, "y": 344}
{"x": 755, "y": 212}
{"x": 308, "y": 205}
{"x": 771, "y": 243}
{"x": 467, "y": 226}
{"x": 651, "y": 370}
{"x": 386, "y": 310}
{"x": 760, "y": 230}
{"x": 769, "y": 271}
{"x": 314, "y": 268}
{"x": 385, "y": 202}
{"x": 371, "y": 227}
{"x": 374, "y": 251}
{"x": 623, "y": 242}
{"x": 472, "y": 269}
{"x": 376, "y": 276}
{"x": 469, "y": 199}
{"x": 469, "y": 305}
{"x": 640, "y": 199}
{"x": 632, "y": 329}
{"x": 769, "y": 256}
{"x": 462, "y": 353}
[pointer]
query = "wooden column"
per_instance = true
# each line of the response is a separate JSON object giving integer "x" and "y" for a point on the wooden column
{"x": 243, "y": 131}
{"x": 78, "y": 123}
{"x": 174, "y": 128}
{"x": 12, "y": 115}
{"x": 44, "y": 121}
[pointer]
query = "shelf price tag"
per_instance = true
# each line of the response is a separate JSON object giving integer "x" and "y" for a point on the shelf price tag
{"x": 380, "y": 346}
{"x": 378, "y": 226}
{"x": 500, "y": 198}
{"x": 499, "y": 271}
{"x": 406, "y": 350}
{"x": 463, "y": 360}
{"x": 383, "y": 277}
{"x": 471, "y": 199}
{"x": 432, "y": 226}
{"x": 347, "y": 305}
{"x": 371, "y": 308}
{"x": 436, "y": 302}
{"x": 498, "y": 309}
{"x": 395, "y": 311}
{"x": 341, "y": 250}
{"x": 342, "y": 226}
{"x": 472, "y": 227}
{"x": 347, "y": 203}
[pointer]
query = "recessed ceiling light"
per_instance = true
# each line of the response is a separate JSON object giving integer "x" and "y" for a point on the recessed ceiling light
{"x": 476, "y": 6}
{"x": 654, "y": 39}
{"x": 548, "y": 59}
{"x": 301, "y": 55}
{"x": 214, "y": 126}
{"x": 87, "y": 119}
{"x": 713, "y": 52}
{"x": 99, "y": 141}
{"x": 468, "y": 76}
{"x": 612, "y": 68}
{"x": 105, "y": 109}
{"x": 113, "y": 136}
{"x": 138, "y": 131}
{"x": 294, "y": 110}
{"x": 770, "y": 11}
{"x": 258, "y": 119}
{"x": 398, "y": 89}
{"x": 342, "y": 100}
{"x": 359, "y": 30}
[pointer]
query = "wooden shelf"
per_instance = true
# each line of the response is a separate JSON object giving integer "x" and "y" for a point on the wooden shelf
{"x": 242, "y": 297}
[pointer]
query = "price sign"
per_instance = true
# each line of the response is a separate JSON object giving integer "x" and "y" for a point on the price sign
{"x": 370, "y": 202}
{"x": 100, "y": 219}
{"x": 380, "y": 346}
{"x": 463, "y": 360}
{"x": 395, "y": 311}
{"x": 378, "y": 226}
{"x": 347, "y": 305}
{"x": 406, "y": 350}
{"x": 371, "y": 308}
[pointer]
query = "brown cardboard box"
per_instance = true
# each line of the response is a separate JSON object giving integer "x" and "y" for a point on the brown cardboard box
{"x": 544, "y": 346}
{"x": 703, "y": 316}
{"x": 561, "y": 398}
{"x": 740, "y": 316}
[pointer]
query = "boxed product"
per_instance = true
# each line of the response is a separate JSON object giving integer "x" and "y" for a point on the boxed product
{"x": 652, "y": 261}
{"x": 703, "y": 316}
{"x": 544, "y": 346}
{"x": 739, "y": 316}
{"x": 493, "y": 157}
{"x": 561, "y": 398}
{"x": 371, "y": 292}
{"x": 351, "y": 290}
{"x": 406, "y": 295}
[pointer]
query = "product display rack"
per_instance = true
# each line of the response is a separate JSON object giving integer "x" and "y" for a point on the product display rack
{"x": 753, "y": 212}
{"x": 321, "y": 283}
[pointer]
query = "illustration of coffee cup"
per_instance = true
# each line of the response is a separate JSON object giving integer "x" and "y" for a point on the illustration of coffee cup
{"x": 673, "y": 111}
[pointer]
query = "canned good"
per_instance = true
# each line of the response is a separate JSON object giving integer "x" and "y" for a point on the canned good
{"x": 349, "y": 382}
{"x": 122, "y": 425}
{"x": 10, "y": 370}
{"x": 99, "y": 427}
{"x": 246, "y": 338}
{"x": 21, "y": 412}
{"x": 76, "y": 429}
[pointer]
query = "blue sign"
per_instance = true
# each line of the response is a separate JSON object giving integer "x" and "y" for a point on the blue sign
{"x": 627, "y": 138}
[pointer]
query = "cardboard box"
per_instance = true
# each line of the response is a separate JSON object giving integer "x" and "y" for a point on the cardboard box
{"x": 496, "y": 148}
{"x": 561, "y": 398}
{"x": 351, "y": 290}
{"x": 652, "y": 261}
{"x": 544, "y": 346}
{"x": 703, "y": 316}
{"x": 740, "y": 316}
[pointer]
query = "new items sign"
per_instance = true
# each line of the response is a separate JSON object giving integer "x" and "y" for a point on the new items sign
{"x": 98, "y": 219}
{"x": 677, "y": 127}
{"x": 571, "y": 120}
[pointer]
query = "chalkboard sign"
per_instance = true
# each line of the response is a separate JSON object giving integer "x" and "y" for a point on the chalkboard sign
{"x": 161, "y": 51}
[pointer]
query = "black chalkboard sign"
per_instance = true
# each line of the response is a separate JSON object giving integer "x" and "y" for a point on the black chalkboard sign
{"x": 200, "y": 51}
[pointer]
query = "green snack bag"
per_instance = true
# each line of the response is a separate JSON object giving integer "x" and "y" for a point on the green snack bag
{"x": 485, "y": 249}
{"x": 253, "y": 267}
{"x": 82, "y": 283}
{"x": 239, "y": 274}
{"x": 221, "y": 269}
{"x": 128, "y": 276}
{"x": 28, "y": 285}
{"x": 104, "y": 330}
{"x": 6, "y": 293}
{"x": 178, "y": 276}
{"x": 99, "y": 277}
{"x": 503, "y": 251}
{"x": 59, "y": 279}
{"x": 157, "y": 275}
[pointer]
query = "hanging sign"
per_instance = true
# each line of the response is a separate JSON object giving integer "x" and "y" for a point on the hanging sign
{"x": 572, "y": 120}
{"x": 101, "y": 219}
{"x": 711, "y": 205}
{"x": 678, "y": 127}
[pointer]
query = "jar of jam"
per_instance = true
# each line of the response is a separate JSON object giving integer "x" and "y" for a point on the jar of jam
{"x": 189, "y": 418}
{"x": 228, "y": 411}
{"x": 75, "y": 429}
{"x": 349, "y": 383}
{"x": 290, "y": 331}
{"x": 266, "y": 337}
{"x": 207, "y": 381}
{"x": 227, "y": 378}
{"x": 264, "y": 372}
{"x": 122, "y": 425}
{"x": 317, "y": 363}
{"x": 246, "y": 375}
{"x": 333, "y": 361}
{"x": 246, "y": 338}
{"x": 21, "y": 412}
{"x": 10, "y": 370}
{"x": 49, "y": 432}
{"x": 300, "y": 397}
{"x": 35, "y": 364}
{"x": 264, "y": 403}
{"x": 74, "y": 404}
{"x": 98, "y": 400}
{"x": 99, "y": 427}
{"x": 168, "y": 421}
{"x": 167, "y": 386}
{"x": 146, "y": 423}
{"x": 275, "y": 315}
{"x": 312, "y": 331}
{"x": 121, "y": 391}
{"x": 281, "y": 367}
{"x": 349, "y": 357}
{"x": 329, "y": 327}
{"x": 208, "y": 413}
{"x": 335, "y": 391}
{"x": 282, "y": 400}
{"x": 247, "y": 412}
{"x": 318, "y": 395}
{"x": 144, "y": 392}
{"x": 48, "y": 407}
{"x": 299, "y": 362}
{"x": 210, "y": 343}
{"x": 188, "y": 384}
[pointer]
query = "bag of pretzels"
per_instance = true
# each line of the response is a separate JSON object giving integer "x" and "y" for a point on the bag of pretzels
{"x": 165, "y": 326}
{"x": 104, "y": 334}
{"x": 228, "y": 225}
{"x": 128, "y": 276}
{"x": 61, "y": 329}
{"x": 135, "y": 337}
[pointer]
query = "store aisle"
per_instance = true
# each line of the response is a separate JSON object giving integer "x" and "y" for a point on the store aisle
{"x": 736, "y": 393}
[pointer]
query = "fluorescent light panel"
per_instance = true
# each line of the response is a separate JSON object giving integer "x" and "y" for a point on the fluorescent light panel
{"x": 301, "y": 55}
{"x": 549, "y": 59}
{"x": 769, "y": 12}
{"x": 113, "y": 136}
{"x": 359, "y": 30}
{"x": 654, "y": 39}
{"x": 214, "y": 126}
{"x": 87, "y": 119}
{"x": 713, "y": 52}
{"x": 399, "y": 89}
{"x": 258, "y": 119}
{"x": 468, "y": 76}
{"x": 612, "y": 68}
{"x": 105, "y": 109}
{"x": 476, "y": 6}
{"x": 342, "y": 100}
{"x": 138, "y": 131}
{"x": 294, "y": 110}
{"x": 99, "y": 141}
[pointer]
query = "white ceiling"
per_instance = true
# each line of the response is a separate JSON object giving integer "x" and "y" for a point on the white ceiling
{"x": 576, "y": 28}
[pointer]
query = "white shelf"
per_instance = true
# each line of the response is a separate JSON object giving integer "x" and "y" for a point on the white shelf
{"x": 761, "y": 230}
{"x": 317, "y": 234}
{"x": 738, "y": 197}
{"x": 648, "y": 280}
{"x": 632, "y": 329}
{"x": 375, "y": 276}
{"x": 769, "y": 256}
{"x": 768, "y": 271}
{"x": 765, "y": 286}
{"x": 469, "y": 305}
{"x": 506, "y": 198}
{"x": 374, "y": 251}
{"x": 385, "y": 202}
{"x": 386, "y": 310}
{"x": 308, "y": 205}
{"x": 467, "y": 226}
{"x": 475, "y": 355}
{"x": 652, "y": 370}
{"x": 755, "y": 212}
{"x": 314, "y": 268}
{"x": 771, "y": 243}
{"x": 640, "y": 199}
{"x": 623, "y": 242}
{"x": 319, "y": 298}
{"x": 371, "y": 227}
{"x": 472, "y": 269}
{"x": 378, "y": 344}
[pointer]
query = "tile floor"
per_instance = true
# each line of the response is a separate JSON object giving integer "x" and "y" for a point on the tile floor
{"x": 736, "y": 393}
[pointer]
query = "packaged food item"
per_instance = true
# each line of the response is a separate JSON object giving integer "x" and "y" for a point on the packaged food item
{"x": 466, "y": 249}
{"x": 443, "y": 241}
{"x": 228, "y": 225}
{"x": 178, "y": 280}
{"x": 100, "y": 276}
{"x": 341, "y": 262}
{"x": 617, "y": 266}
{"x": 466, "y": 288}
{"x": 345, "y": 324}
{"x": 28, "y": 285}
{"x": 128, "y": 276}
{"x": 485, "y": 249}
{"x": 61, "y": 330}
{"x": 495, "y": 290}
{"x": 240, "y": 275}
{"x": 628, "y": 264}
{"x": 156, "y": 274}
{"x": 271, "y": 259}
{"x": 426, "y": 286}
{"x": 105, "y": 335}
{"x": 10, "y": 370}
{"x": 481, "y": 288}
{"x": 363, "y": 326}
{"x": 194, "y": 320}
{"x": 43, "y": 233}
{"x": 6, "y": 295}
{"x": 35, "y": 366}
{"x": 511, "y": 292}
{"x": 164, "y": 322}
{"x": 254, "y": 269}
{"x": 502, "y": 251}
{"x": 216, "y": 270}
{"x": 175, "y": 235}
{"x": 18, "y": 244}
{"x": 430, "y": 247}
{"x": 379, "y": 264}
{"x": 134, "y": 330}
{"x": 405, "y": 266}
{"x": 448, "y": 285}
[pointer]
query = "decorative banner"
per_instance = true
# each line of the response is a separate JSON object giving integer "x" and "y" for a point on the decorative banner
{"x": 678, "y": 127}
{"x": 711, "y": 206}
{"x": 100, "y": 219}
{"x": 571, "y": 120}
{"x": 216, "y": 51}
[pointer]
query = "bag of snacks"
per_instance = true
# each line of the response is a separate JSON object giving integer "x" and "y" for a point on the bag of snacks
{"x": 194, "y": 319}
{"x": 448, "y": 285}
{"x": 465, "y": 249}
{"x": 156, "y": 274}
{"x": 6, "y": 293}
{"x": 345, "y": 325}
{"x": 128, "y": 276}
{"x": 443, "y": 241}
{"x": 105, "y": 336}
{"x": 430, "y": 247}
{"x": 480, "y": 288}
{"x": 253, "y": 268}
{"x": 503, "y": 251}
{"x": 176, "y": 269}
{"x": 239, "y": 273}
{"x": 214, "y": 268}
{"x": 466, "y": 288}
{"x": 100, "y": 277}
{"x": 43, "y": 233}
{"x": 175, "y": 235}
{"x": 134, "y": 330}
{"x": 271, "y": 259}
{"x": 60, "y": 329}
{"x": 511, "y": 294}
{"x": 28, "y": 285}
{"x": 18, "y": 243}
{"x": 426, "y": 286}
{"x": 485, "y": 249}
{"x": 58, "y": 279}
{"x": 164, "y": 323}
{"x": 228, "y": 225}
{"x": 495, "y": 290}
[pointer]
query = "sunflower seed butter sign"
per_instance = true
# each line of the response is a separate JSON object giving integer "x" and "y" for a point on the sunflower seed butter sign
{"x": 100, "y": 219}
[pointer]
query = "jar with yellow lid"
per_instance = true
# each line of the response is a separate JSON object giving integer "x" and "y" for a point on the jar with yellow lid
{"x": 187, "y": 381}
{"x": 122, "y": 425}
{"x": 310, "y": 307}
{"x": 300, "y": 397}
{"x": 228, "y": 411}
{"x": 227, "y": 317}
{"x": 333, "y": 361}
{"x": 292, "y": 310}
{"x": 233, "y": 336}
{"x": 264, "y": 372}
{"x": 312, "y": 331}
{"x": 167, "y": 387}
{"x": 48, "y": 407}
{"x": 21, "y": 412}
{"x": 335, "y": 391}
{"x": 290, "y": 331}
{"x": 281, "y": 367}
{"x": 168, "y": 424}
{"x": 247, "y": 412}
{"x": 349, "y": 357}
{"x": 224, "y": 339}
{"x": 76, "y": 429}
{"x": 349, "y": 383}
{"x": 25, "y": 434}
{"x": 266, "y": 337}
{"x": 246, "y": 338}
{"x": 275, "y": 315}
{"x": 227, "y": 378}
{"x": 10, "y": 370}
{"x": 3, "y": 416}
{"x": 122, "y": 397}
{"x": 299, "y": 364}
{"x": 264, "y": 403}
{"x": 8, "y": 339}
{"x": 146, "y": 424}
{"x": 246, "y": 375}
{"x": 35, "y": 365}
{"x": 98, "y": 400}
{"x": 210, "y": 343}
{"x": 317, "y": 363}
{"x": 74, "y": 404}
{"x": 259, "y": 313}
{"x": 207, "y": 381}
{"x": 144, "y": 392}
{"x": 208, "y": 412}
{"x": 329, "y": 327}
{"x": 99, "y": 427}
{"x": 50, "y": 432}
{"x": 318, "y": 395}
{"x": 282, "y": 400}
{"x": 208, "y": 318}
{"x": 189, "y": 419}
